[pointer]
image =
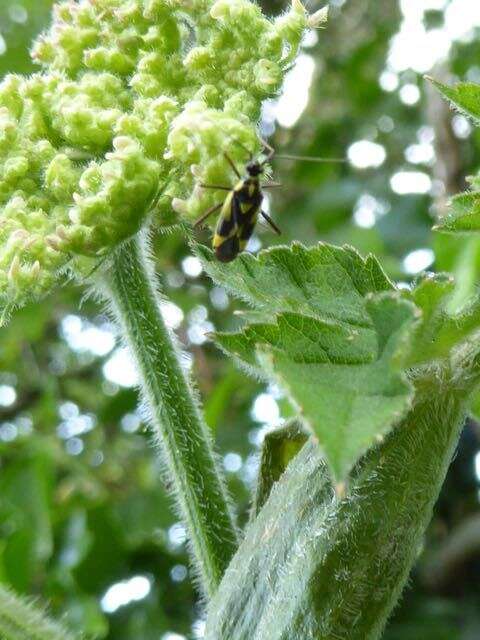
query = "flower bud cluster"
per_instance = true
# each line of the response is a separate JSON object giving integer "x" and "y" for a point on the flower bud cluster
{"x": 136, "y": 98}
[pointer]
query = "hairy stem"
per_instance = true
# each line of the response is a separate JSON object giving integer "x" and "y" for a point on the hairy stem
{"x": 314, "y": 566}
{"x": 175, "y": 417}
{"x": 21, "y": 620}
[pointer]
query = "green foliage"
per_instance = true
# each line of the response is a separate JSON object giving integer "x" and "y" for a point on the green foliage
{"x": 464, "y": 210}
{"x": 464, "y": 214}
{"x": 441, "y": 334}
{"x": 181, "y": 435}
{"x": 27, "y": 487}
{"x": 125, "y": 119}
{"x": 279, "y": 448}
{"x": 465, "y": 97}
{"x": 345, "y": 558}
{"x": 21, "y": 620}
{"x": 329, "y": 330}
{"x": 104, "y": 515}
{"x": 21, "y": 23}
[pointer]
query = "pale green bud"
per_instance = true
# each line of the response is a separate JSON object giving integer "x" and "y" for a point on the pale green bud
{"x": 137, "y": 98}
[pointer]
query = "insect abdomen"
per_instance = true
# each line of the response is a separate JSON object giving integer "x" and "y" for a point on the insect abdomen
{"x": 225, "y": 241}
{"x": 228, "y": 249}
{"x": 237, "y": 220}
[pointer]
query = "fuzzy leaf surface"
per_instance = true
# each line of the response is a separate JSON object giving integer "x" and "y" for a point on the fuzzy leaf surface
{"x": 464, "y": 214}
{"x": 465, "y": 96}
{"x": 440, "y": 333}
{"x": 331, "y": 336}
{"x": 315, "y": 567}
{"x": 322, "y": 281}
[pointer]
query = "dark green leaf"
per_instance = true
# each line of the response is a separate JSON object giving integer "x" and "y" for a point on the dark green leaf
{"x": 440, "y": 333}
{"x": 465, "y": 96}
{"x": 279, "y": 448}
{"x": 464, "y": 214}
{"x": 330, "y": 338}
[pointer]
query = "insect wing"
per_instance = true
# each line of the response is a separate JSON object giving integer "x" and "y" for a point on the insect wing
{"x": 226, "y": 243}
{"x": 248, "y": 203}
{"x": 237, "y": 220}
{"x": 246, "y": 230}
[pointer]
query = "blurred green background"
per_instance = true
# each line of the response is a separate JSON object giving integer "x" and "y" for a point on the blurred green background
{"x": 85, "y": 522}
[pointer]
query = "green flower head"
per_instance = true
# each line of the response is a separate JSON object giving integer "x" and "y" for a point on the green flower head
{"x": 136, "y": 102}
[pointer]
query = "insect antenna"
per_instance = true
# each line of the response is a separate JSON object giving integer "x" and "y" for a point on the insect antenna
{"x": 310, "y": 158}
{"x": 283, "y": 156}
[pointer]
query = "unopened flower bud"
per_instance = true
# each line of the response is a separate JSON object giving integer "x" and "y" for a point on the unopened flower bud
{"x": 126, "y": 120}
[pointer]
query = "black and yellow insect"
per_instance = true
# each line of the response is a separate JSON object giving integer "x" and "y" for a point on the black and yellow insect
{"x": 240, "y": 209}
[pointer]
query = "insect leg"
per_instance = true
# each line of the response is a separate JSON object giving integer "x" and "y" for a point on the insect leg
{"x": 271, "y": 185}
{"x": 270, "y": 149}
{"x": 207, "y": 214}
{"x": 232, "y": 164}
{"x": 266, "y": 217}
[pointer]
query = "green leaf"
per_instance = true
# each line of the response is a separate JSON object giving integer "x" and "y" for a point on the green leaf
{"x": 291, "y": 279}
{"x": 460, "y": 256}
{"x": 279, "y": 448}
{"x": 26, "y": 491}
{"x": 331, "y": 334}
{"x": 464, "y": 214}
{"x": 440, "y": 333}
{"x": 303, "y": 339}
{"x": 465, "y": 96}
{"x": 431, "y": 295}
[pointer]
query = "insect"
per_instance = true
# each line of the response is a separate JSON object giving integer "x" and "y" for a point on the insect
{"x": 243, "y": 204}
{"x": 240, "y": 209}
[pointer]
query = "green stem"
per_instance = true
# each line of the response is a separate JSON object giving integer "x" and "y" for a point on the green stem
{"x": 182, "y": 435}
{"x": 21, "y": 620}
{"x": 314, "y": 566}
